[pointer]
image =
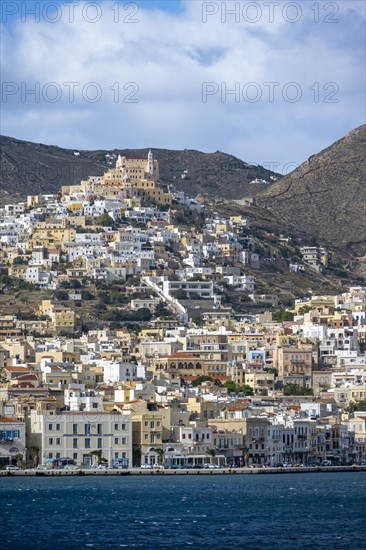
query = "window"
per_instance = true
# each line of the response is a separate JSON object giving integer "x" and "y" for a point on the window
{"x": 116, "y": 426}
{"x": 116, "y": 440}
{"x": 58, "y": 441}
{"x": 50, "y": 440}
{"x": 124, "y": 440}
{"x": 100, "y": 429}
{"x": 115, "y": 455}
{"x": 75, "y": 429}
{"x": 50, "y": 427}
{"x": 87, "y": 429}
{"x": 123, "y": 426}
{"x": 58, "y": 427}
{"x": 50, "y": 455}
{"x": 152, "y": 424}
{"x": 100, "y": 443}
{"x": 74, "y": 443}
{"x": 87, "y": 443}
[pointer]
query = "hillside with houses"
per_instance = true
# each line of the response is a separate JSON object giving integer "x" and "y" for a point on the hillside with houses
{"x": 141, "y": 327}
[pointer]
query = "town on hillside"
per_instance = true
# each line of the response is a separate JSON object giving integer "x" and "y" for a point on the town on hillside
{"x": 134, "y": 333}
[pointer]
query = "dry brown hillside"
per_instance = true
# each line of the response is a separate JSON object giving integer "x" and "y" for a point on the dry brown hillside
{"x": 325, "y": 197}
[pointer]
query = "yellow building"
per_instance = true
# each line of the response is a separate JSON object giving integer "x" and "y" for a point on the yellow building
{"x": 62, "y": 318}
{"x": 147, "y": 428}
{"x": 261, "y": 382}
{"x": 52, "y": 233}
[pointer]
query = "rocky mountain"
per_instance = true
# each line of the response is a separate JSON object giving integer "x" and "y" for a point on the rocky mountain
{"x": 29, "y": 168}
{"x": 325, "y": 197}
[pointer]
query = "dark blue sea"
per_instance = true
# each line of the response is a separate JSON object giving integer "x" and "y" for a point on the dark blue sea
{"x": 292, "y": 511}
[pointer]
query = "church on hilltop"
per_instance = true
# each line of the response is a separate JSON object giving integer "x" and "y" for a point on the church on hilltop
{"x": 133, "y": 170}
{"x": 131, "y": 177}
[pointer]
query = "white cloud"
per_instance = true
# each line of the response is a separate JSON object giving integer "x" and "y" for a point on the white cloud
{"x": 169, "y": 56}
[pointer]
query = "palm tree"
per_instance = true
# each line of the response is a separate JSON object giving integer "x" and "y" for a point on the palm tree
{"x": 20, "y": 460}
{"x": 245, "y": 450}
{"x": 136, "y": 455}
{"x": 160, "y": 452}
{"x": 35, "y": 450}
{"x": 99, "y": 454}
{"x": 212, "y": 454}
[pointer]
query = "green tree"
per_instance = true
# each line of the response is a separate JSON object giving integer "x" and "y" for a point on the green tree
{"x": 357, "y": 406}
{"x": 160, "y": 452}
{"x": 19, "y": 260}
{"x": 282, "y": 315}
{"x": 142, "y": 314}
{"x": 179, "y": 294}
{"x": 35, "y": 452}
{"x": 136, "y": 455}
{"x": 98, "y": 453}
{"x": 87, "y": 295}
{"x": 105, "y": 220}
{"x": 212, "y": 454}
{"x": 161, "y": 310}
{"x": 304, "y": 309}
{"x": 295, "y": 389}
{"x": 245, "y": 450}
{"x": 197, "y": 320}
{"x": 20, "y": 460}
{"x": 61, "y": 295}
{"x": 235, "y": 388}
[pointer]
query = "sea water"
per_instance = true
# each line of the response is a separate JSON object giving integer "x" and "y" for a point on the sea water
{"x": 292, "y": 511}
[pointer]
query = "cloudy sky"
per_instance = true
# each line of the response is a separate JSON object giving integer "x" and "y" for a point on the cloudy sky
{"x": 269, "y": 82}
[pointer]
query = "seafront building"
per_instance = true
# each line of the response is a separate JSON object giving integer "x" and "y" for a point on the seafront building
{"x": 149, "y": 342}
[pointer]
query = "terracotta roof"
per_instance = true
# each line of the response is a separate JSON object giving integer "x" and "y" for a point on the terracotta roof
{"x": 8, "y": 419}
{"x": 17, "y": 368}
{"x": 182, "y": 355}
{"x": 27, "y": 377}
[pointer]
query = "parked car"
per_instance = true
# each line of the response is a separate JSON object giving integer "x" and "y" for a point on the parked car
{"x": 70, "y": 467}
{"x": 11, "y": 468}
{"x": 102, "y": 467}
{"x": 146, "y": 466}
{"x": 326, "y": 463}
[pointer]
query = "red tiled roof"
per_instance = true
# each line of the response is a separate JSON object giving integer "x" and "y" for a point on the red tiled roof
{"x": 17, "y": 368}
{"x": 182, "y": 355}
{"x": 26, "y": 377}
{"x": 8, "y": 419}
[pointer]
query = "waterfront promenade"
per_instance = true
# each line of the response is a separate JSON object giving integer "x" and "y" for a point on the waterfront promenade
{"x": 183, "y": 471}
